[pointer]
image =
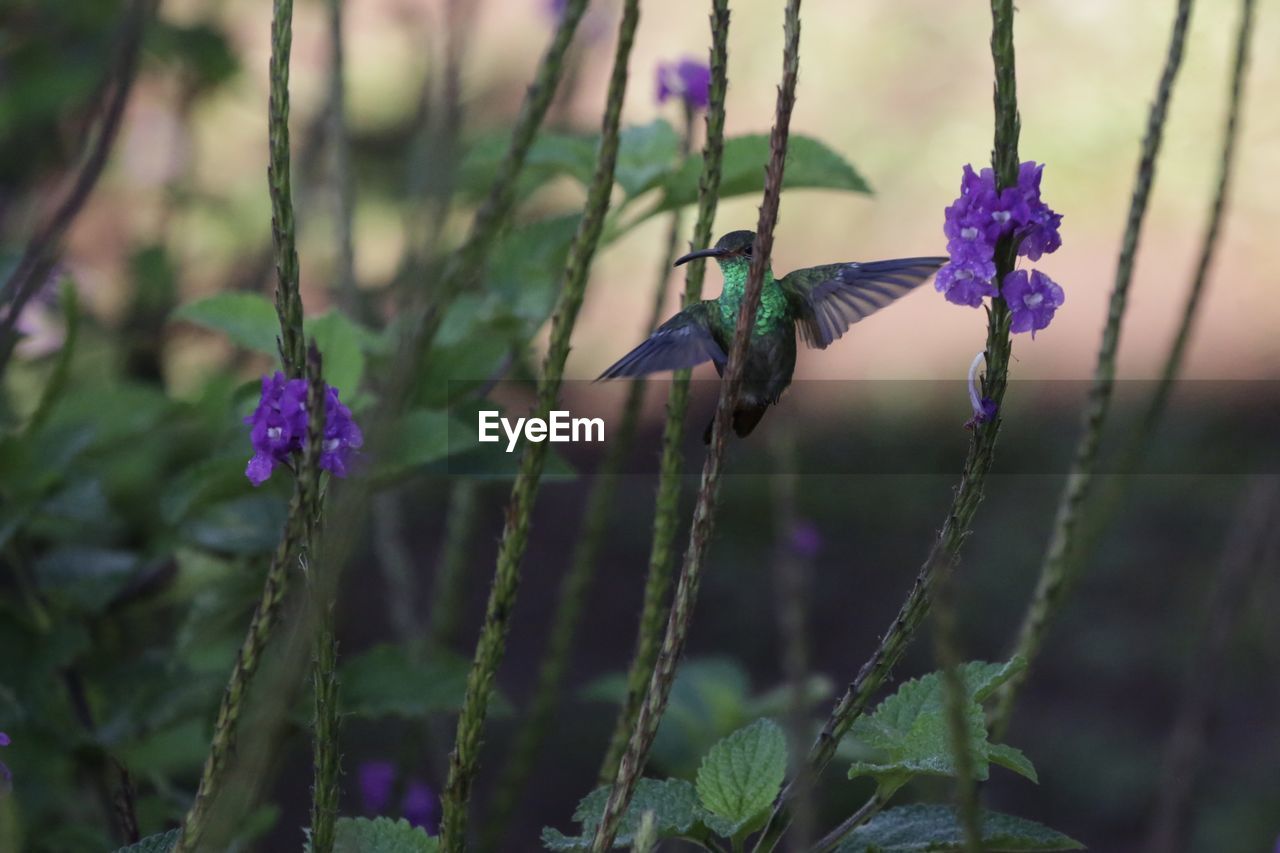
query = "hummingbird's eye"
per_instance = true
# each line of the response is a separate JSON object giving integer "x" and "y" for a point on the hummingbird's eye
{"x": 747, "y": 251}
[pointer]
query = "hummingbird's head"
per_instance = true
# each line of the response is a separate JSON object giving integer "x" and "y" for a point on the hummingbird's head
{"x": 734, "y": 246}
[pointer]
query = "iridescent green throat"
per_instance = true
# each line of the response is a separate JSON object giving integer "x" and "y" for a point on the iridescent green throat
{"x": 773, "y": 302}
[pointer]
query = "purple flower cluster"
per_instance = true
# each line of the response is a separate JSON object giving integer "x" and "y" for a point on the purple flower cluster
{"x": 6, "y": 778}
{"x": 278, "y": 428}
{"x": 688, "y": 80}
{"x": 420, "y": 805}
{"x": 982, "y": 216}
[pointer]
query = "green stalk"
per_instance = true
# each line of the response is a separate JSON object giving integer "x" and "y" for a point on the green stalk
{"x": 448, "y": 589}
{"x": 573, "y": 588}
{"x": 304, "y": 504}
{"x": 1054, "y": 570}
{"x": 288, "y": 298}
{"x": 671, "y": 469}
{"x": 325, "y": 755}
{"x": 945, "y": 551}
{"x": 344, "y": 187}
{"x": 502, "y": 596}
{"x": 656, "y": 696}
{"x": 947, "y": 653}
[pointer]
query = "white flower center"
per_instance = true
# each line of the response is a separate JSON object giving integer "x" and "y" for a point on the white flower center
{"x": 1031, "y": 300}
{"x": 969, "y": 233}
{"x": 273, "y": 433}
{"x": 963, "y": 275}
{"x": 1001, "y": 215}
{"x": 332, "y": 445}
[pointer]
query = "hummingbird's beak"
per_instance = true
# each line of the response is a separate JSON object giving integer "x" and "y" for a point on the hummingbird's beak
{"x": 702, "y": 253}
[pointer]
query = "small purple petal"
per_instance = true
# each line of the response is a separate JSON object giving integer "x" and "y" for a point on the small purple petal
{"x": 421, "y": 807}
{"x": 1032, "y": 300}
{"x": 4, "y": 739}
{"x": 376, "y": 779}
{"x": 688, "y": 80}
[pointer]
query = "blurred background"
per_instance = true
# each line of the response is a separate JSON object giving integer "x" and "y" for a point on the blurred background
{"x": 902, "y": 90}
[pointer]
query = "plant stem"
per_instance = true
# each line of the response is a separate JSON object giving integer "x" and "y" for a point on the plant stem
{"x": 832, "y": 839}
{"x": 949, "y": 657}
{"x": 455, "y": 554}
{"x": 41, "y": 253}
{"x": 686, "y": 593}
{"x": 671, "y": 468}
{"x": 502, "y": 596}
{"x": 344, "y": 187}
{"x": 1054, "y": 576}
{"x": 288, "y": 299}
{"x": 586, "y": 555}
{"x": 325, "y": 756}
{"x": 303, "y": 508}
{"x": 945, "y": 551}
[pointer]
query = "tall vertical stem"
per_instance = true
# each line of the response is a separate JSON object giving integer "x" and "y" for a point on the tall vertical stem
{"x": 502, "y": 596}
{"x": 671, "y": 468}
{"x": 945, "y": 551}
{"x": 1054, "y": 577}
{"x": 681, "y": 616}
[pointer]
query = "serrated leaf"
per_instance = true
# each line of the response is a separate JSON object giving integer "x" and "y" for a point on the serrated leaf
{"x": 380, "y": 835}
{"x": 810, "y": 164}
{"x": 674, "y": 804}
{"x": 909, "y": 829}
{"x": 742, "y": 774}
{"x": 160, "y": 843}
{"x": 909, "y": 733}
{"x": 342, "y": 345}
{"x": 248, "y": 319}
{"x": 646, "y": 152}
{"x": 1012, "y": 758}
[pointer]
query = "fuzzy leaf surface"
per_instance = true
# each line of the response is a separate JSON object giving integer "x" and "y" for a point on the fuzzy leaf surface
{"x": 909, "y": 829}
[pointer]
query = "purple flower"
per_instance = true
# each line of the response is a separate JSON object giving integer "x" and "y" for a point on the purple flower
{"x": 421, "y": 807}
{"x": 278, "y": 428}
{"x": 966, "y": 282}
{"x": 984, "y": 408}
{"x": 688, "y": 80}
{"x": 980, "y": 217}
{"x": 1038, "y": 224}
{"x": 6, "y": 778}
{"x": 1032, "y": 300}
{"x": 804, "y": 539}
{"x": 376, "y": 778}
{"x": 555, "y": 8}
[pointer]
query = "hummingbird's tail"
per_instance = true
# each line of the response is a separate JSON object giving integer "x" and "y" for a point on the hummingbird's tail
{"x": 745, "y": 418}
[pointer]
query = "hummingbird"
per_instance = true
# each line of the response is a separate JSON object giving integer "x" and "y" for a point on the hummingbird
{"x": 820, "y": 303}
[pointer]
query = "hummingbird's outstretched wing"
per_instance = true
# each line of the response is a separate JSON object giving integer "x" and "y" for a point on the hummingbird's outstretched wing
{"x": 826, "y": 300}
{"x": 683, "y": 341}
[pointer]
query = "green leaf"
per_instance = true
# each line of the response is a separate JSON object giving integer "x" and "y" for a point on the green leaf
{"x": 380, "y": 835}
{"x": 742, "y": 774}
{"x": 674, "y": 804}
{"x": 1012, "y": 758}
{"x": 646, "y": 153}
{"x": 927, "y": 827}
{"x": 342, "y": 344}
{"x": 248, "y": 319}
{"x": 242, "y": 526}
{"x": 385, "y": 682}
{"x": 421, "y": 437}
{"x": 550, "y": 156}
{"x": 89, "y": 578}
{"x": 909, "y": 733}
{"x": 810, "y": 164}
{"x": 161, "y": 843}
